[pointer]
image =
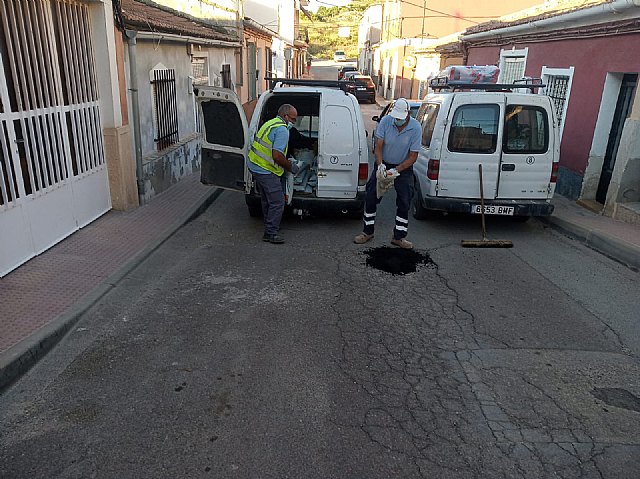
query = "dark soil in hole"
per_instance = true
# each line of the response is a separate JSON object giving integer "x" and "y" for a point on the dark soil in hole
{"x": 396, "y": 260}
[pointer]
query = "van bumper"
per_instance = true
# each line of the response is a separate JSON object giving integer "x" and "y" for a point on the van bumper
{"x": 463, "y": 205}
{"x": 317, "y": 205}
{"x": 313, "y": 205}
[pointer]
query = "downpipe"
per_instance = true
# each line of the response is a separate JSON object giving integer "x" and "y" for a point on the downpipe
{"x": 130, "y": 35}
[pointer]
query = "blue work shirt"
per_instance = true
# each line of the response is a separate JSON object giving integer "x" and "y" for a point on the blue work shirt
{"x": 279, "y": 137}
{"x": 398, "y": 144}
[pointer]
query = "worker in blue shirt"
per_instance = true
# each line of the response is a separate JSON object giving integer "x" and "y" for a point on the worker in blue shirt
{"x": 398, "y": 139}
{"x": 267, "y": 163}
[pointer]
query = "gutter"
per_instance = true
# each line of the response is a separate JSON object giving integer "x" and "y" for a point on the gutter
{"x": 172, "y": 37}
{"x": 614, "y": 8}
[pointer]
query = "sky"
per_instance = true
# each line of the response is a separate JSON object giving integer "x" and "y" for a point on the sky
{"x": 315, "y": 4}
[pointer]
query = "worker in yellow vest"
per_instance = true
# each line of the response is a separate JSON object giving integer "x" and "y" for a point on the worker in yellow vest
{"x": 267, "y": 162}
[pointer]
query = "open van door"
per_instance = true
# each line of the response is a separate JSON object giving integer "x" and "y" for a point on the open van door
{"x": 225, "y": 139}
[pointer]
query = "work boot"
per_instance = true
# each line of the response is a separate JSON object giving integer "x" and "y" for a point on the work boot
{"x": 402, "y": 243}
{"x": 362, "y": 238}
{"x": 273, "y": 238}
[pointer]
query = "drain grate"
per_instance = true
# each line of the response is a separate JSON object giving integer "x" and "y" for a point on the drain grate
{"x": 395, "y": 260}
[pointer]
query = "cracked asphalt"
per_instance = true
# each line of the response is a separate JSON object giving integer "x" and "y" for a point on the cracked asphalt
{"x": 222, "y": 356}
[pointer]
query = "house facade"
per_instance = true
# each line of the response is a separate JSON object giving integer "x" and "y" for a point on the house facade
{"x": 410, "y": 28}
{"x": 597, "y": 106}
{"x": 59, "y": 113}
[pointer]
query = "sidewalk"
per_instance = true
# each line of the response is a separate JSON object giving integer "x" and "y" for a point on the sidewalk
{"x": 44, "y": 298}
{"x": 618, "y": 240}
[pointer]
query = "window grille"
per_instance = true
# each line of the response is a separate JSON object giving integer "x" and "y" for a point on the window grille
{"x": 557, "y": 88}
{"x": 512, "y": 65}
{"x": 165, "y": 108}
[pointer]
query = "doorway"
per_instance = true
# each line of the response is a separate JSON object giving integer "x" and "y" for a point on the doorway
{"x": 623, "y": 108}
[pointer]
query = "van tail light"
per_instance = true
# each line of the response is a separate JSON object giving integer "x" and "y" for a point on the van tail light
{"x": 433, "y": 169}
{"x": 554, "y": 172}
{"x": 363, "y": 174}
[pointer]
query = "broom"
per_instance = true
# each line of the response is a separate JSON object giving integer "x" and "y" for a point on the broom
{"x": 484, "y": 242}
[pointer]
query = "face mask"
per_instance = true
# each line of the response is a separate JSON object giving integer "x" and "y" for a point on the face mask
{"x": 400, "y": 121}
{"x": 289, "y": 125}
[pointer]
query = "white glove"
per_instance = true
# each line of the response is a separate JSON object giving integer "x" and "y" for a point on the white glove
{"x": 392, "y": 173}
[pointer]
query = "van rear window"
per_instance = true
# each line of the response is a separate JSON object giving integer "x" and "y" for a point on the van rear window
{"x": 474, "y": 129}
{"x": 526, "y": 129}
{"x": 429, "y": 114}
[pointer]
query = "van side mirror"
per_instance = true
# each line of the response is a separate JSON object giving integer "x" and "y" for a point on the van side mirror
{"x": 375, "y": 118}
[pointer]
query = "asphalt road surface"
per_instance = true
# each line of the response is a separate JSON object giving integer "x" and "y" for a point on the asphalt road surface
{"x": 222, "y": 356}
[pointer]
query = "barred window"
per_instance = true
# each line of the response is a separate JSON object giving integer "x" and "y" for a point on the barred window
{"x": 512, "y": 65}
{"x": 165, "y": 114}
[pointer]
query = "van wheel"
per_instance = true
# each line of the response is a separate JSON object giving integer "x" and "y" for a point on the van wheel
{"x": 254, "y": 206}
{"x": 419, "y": 211}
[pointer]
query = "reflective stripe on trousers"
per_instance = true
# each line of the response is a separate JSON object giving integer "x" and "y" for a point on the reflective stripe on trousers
{"x": 403, "y": 185}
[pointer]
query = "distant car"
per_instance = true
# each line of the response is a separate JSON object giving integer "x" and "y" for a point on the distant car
{"x": 360, "y": 86}
{"x": 414, "y": 106}
{"x": 344, "y": 69}
{"x": 339, "y": 56}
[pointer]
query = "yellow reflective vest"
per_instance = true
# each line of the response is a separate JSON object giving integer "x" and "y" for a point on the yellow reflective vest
{"x": 260, "y": 151}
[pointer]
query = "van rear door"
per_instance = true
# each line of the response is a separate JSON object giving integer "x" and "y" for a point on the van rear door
{"x": 225, "y": 141}
{"x": 471, "y": 138}
{"x": 527, "y": 148}
{"x": 339, "y": 146}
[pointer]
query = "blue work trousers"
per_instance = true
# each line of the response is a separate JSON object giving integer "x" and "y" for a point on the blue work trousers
{"x": 403, "y": 185}
{"x": 272, "y": 196}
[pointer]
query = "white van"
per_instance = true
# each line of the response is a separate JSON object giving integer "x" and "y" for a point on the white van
{"x": 332, "y": 178}
{"x": 512, "y": 135}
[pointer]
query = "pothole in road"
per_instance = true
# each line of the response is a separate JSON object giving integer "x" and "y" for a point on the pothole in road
{"x": 396, "y": 261}
{"x": 617, "y": 397}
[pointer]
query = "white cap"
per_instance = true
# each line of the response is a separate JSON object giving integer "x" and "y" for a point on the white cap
{"x": 400, "y": 109}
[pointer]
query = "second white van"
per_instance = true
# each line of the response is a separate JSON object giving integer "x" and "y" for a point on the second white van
{"x": 512, "y": 135}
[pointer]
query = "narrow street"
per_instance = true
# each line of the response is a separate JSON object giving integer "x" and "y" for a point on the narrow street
{"x": 223, "y": 356}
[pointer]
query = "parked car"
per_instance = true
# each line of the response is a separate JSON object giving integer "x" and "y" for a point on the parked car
{"x": 333, "y": 173}
{"x": 514, "y": 136}
{"x": 339, "y": 56}
{"x": 414, "y": 106}
{"x": 350, "y": 74}
{"x": 344, "y": 69}
{"x": 360, "y": 86}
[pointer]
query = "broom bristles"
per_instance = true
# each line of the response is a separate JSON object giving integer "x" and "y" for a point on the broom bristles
{"x": 486, "y": 244}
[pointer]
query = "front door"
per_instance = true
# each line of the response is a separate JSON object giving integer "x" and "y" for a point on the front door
{"x": 225, "y": 139}
{"x": 623, "y": 108}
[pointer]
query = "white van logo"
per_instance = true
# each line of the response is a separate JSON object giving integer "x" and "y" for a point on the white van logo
{"x": 530, "y": 160}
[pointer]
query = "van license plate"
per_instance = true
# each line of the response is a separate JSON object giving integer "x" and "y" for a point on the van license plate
{"x": 493, "y": 210}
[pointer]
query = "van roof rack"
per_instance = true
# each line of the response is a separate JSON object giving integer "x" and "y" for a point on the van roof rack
{"x": 305, "y": 82}
{"x": 442, "y": 83}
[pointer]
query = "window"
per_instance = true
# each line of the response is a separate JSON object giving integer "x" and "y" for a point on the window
{"x": 429, "y": 116}
{"x": 308, "y": 125}
{"x": 512, "y": 65}
{"x": 200, "y": 70}
{"x": 526, "y": 130}
{"x": 474, "y": 129}
{"x": 165, "y": 115}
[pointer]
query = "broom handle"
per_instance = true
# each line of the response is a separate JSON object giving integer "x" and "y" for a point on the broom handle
{"x": 484, "y": 229}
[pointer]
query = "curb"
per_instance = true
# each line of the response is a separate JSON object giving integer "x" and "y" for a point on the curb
{"x": 17, "y": 360}
{"x": 616, "y": 249}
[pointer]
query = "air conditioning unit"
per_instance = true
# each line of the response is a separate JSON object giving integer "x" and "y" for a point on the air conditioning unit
{"x": 288, "y": 53}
